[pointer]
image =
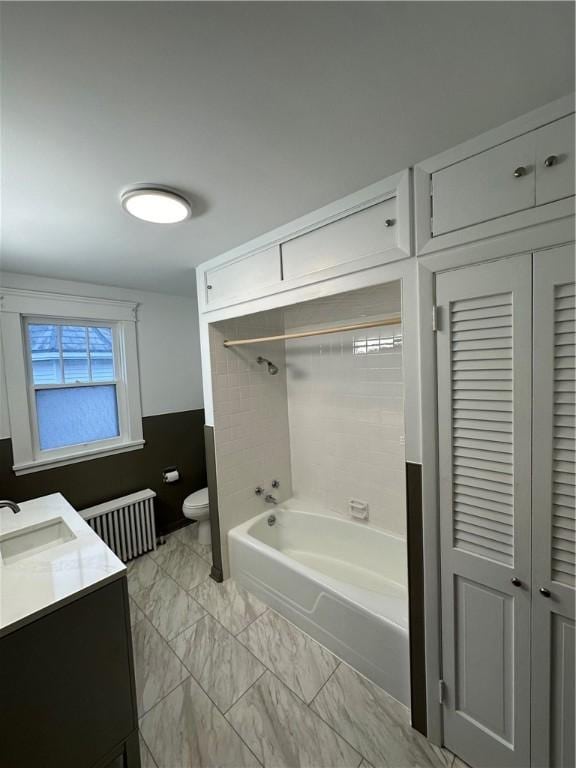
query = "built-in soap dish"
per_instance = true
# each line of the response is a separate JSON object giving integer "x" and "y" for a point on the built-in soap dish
{"x": 358, "y": 509}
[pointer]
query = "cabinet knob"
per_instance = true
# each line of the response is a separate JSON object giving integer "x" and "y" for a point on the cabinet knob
{"x": 209, "y": 287}
{"x": 520, "y": 171}
{"x": 551, "y": 160}
{"x": 516, "y": 581}
{"x": 389, "y": 222}
{"x": 545, "y": 592}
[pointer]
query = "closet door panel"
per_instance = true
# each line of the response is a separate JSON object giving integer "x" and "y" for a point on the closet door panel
{"x": 554, "y": 516}
{"x": 484, "y": 353}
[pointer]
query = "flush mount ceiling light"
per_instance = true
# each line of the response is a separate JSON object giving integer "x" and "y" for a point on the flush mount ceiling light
{"x": 156, "y": 204}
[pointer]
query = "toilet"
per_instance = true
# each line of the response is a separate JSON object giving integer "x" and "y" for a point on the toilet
{"x": 196, "y": 507}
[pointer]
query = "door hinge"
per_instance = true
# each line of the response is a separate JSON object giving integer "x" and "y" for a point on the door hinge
{"x": 431, "y": 207}
{"x": 441, "y": 691}
{"x": 434, "y": 318}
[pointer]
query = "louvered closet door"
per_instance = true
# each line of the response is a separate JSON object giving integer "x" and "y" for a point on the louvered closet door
{"x": 553, "y": 512}
{"x": 484, "y": 415}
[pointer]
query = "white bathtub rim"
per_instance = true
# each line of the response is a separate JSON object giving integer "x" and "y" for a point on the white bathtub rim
{"x": 294, "y": 505}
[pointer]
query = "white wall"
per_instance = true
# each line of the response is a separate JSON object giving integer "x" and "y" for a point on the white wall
{"x": 168, "y": 344}
{"x": 346, "y": 407}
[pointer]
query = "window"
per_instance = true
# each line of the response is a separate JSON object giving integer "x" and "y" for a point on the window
{"x": 73, "y": 386}
{"x": 80, "y": 379}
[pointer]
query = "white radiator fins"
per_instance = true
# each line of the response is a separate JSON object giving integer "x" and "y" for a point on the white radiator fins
{"x": 564, "y": 436}
{"x": 482, "y": 426}
{"x": 127, "y": 524}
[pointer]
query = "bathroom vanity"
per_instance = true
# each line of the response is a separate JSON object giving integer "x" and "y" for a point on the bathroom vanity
{"x": 66, "y": 667}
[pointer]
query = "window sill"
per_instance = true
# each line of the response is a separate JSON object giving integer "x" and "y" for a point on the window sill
{"x": 24, "y": 468}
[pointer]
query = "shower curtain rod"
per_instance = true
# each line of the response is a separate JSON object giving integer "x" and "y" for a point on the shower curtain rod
{"x": 394, "y": 320}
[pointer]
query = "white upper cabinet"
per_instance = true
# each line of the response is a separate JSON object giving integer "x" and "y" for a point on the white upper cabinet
{"x": 369, "y": 232}
{"x": 490, "y": 184}
{"x": 366, "y": 229}
{"x": 515, "y": 177}
{"x": 555, "y": 161}
{"x": 243, "y": 278}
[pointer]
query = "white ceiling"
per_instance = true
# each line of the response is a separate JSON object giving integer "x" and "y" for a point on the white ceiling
{"x": 259, "y": 111}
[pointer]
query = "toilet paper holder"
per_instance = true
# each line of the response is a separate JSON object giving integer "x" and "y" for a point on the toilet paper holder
{"x": 170, "y": 475}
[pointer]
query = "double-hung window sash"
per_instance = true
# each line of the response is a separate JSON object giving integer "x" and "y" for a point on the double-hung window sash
{"x": 72, "y": 374}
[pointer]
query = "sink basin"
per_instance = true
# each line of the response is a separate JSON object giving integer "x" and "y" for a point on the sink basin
{"x": 18, "y": 545}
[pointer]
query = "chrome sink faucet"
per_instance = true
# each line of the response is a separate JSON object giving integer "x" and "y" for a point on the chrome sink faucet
{"x": 10, "y": 504}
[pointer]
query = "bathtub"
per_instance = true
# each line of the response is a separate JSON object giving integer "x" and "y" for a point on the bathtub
{"x": 342, "y": 582}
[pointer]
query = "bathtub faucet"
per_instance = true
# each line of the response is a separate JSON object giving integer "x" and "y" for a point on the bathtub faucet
{"x": 269, "y": 499}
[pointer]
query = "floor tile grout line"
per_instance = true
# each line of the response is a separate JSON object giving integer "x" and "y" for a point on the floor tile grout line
{"x": 141, "y": 735}
{"x": 355, "y": 748}
{"x": 188, "y": 545}
{"x": 232, "y": 637}
{"x": 180, "y": 543}
{"x": 176, "y": 655}
{"x": 266, "y": 609}
{"x": 168, "y": 640}
{"x": 312, "y": 711}
{"x": 266, "y": 669}
{"x": 234, "y": 634}
{"x": 260, "y": 676}
{"x": 324, "y": 684}
{"x": 224, "y": 713}
{"x": 235, "y": 637}
{"x": 216, "y": 707}
{"x": 179, "y": 587}
{"x": 186, "y": 589}
{"x": 164, "y": 696}
{"x": 338, "y": 660}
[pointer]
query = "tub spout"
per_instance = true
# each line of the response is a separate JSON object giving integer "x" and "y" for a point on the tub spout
{"x": 269, "y": 499}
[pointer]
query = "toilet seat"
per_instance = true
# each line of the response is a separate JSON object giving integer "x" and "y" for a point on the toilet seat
{"x": 196, "y": 503}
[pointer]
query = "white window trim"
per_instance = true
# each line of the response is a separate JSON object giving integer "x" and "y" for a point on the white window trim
{"x": 17, "y": 307}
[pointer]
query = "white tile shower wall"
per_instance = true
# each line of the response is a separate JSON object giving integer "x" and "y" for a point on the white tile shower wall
{"x": 345, "y": 407}
{"x": 250, "y": 419}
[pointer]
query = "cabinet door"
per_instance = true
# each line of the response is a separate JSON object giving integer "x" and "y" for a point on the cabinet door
{"x": 555, "y": 161}
{"x": 484, "y": 414}
{"x": 484, "y": 186}
{"x": 554, "y": 517}
{"x": 362, "y": 234}
{"x": 244, "y": 278}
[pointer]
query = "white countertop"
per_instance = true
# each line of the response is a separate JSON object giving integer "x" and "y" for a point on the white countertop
{"x": 38, "y": 583}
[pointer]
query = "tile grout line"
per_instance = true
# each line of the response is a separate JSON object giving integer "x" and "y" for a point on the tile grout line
{"x": 266, "y": 669}
{"x": 186, "y": 589}
{"x": 211, "y": 700}
{"x": 190, "y": 675}
{"x": 313, "y": 712}
{"x": 174, "y": 533}
{"x": 325, "y": 683}
{"x": 179, "y": 587}
{"x": 182, "y": 543}
{"x": 141, "y": 735}
{"x": 177, "y": 684}
{"x": 250, "y": 623}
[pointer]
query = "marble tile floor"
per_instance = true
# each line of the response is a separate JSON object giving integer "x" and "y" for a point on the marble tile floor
{"x": 222, "y": 680}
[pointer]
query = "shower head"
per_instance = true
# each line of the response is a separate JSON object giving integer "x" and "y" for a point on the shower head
{"x": 271, "y": 368}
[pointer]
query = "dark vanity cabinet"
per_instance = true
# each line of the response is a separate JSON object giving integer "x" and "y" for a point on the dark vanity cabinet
{"x": 67, "y": 692}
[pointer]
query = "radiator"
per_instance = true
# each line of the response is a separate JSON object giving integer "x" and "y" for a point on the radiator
{"x": 125, "y": 524}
